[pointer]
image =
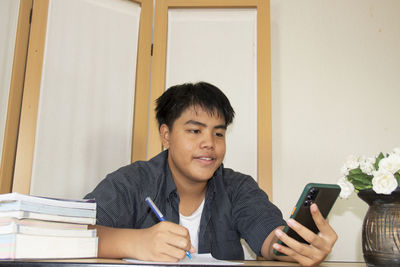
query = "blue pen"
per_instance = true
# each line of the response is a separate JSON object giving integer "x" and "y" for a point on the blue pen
{"x": 160, "y": 216}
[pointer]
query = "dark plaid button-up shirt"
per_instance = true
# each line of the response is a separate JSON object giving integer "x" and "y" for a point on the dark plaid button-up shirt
{"x": 235, "y": 207}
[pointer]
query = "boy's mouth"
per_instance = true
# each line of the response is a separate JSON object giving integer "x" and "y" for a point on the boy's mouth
{"x": 206, "y": 159}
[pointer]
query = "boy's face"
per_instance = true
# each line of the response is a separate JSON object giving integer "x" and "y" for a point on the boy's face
{"x": 196, "y": 145}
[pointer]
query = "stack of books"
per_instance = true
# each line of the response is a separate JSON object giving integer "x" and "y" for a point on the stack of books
{"x": 39, "y": 227}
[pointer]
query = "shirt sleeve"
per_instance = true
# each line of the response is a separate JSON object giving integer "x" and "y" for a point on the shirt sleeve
{"x": 254, "y": 215}
{"x": 113, "y": 197}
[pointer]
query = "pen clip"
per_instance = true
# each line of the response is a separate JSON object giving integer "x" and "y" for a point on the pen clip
{"x": 153, "y": 206}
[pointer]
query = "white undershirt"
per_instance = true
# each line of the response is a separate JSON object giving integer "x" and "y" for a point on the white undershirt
{"x": 192, "y": 223}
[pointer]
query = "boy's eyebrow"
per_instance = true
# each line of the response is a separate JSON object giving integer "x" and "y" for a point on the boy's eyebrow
{"x": 222, "y": 126}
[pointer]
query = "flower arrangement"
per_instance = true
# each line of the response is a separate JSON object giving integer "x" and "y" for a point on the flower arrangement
{"x": 381, "y": 173}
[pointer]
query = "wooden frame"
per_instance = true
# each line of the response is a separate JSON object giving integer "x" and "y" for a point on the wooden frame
{"x": 26, "y": 137}
{"x": 15, "y": 97}
{"x": 139, "y": 136}
{"x": 264, "y": 153}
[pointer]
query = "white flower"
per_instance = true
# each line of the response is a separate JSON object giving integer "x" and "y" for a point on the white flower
{"x": 352, "y": 162}
{"x": 367, "y": 165}
{"x": 344, "y": 170}
{"x": 396, "y": 150}
{"x": 390, "y": 164}
{"x": 346, "y": 187}
{"x": 384, "y": 182}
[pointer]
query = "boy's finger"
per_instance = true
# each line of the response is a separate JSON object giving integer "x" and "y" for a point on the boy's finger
{"x": 292, "y": 254}
{"x": 175, "y": 229}
{"x": 192, "y": 249}
{"x": 295, "y": 245}
{"x": 320, "y": 221}
{"x": 326, "y": 231}
{"x": 179, "y": 242}
{"x": 306, "y": 233}
{"x": 174, "y": 253}
{"x": 175, "y": 235}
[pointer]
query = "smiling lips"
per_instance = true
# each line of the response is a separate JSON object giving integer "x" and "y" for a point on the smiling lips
{"x": 206, "y": 160}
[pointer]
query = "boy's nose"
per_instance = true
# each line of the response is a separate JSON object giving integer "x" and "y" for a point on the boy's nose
{"x": 208, "y": 141}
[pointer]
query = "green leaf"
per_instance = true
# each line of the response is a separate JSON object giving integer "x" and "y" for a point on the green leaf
{"x": 363, "y": 179}
{"x": 378, "y": 159}
{"x": 359, "y": 179}
{"x": 355, "y": 171}
{"x": 360, "y": 184}
{"x": 397, "y": 176}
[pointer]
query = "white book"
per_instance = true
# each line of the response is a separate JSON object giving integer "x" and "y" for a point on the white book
{"x": 47, "y": 217}
{"x": 59, "y": 202}
{"x": 44, "y": 208}
{"x": 15, "y": 228}
{"x": 43, "y": 224}
{"x": 21, "y": 246}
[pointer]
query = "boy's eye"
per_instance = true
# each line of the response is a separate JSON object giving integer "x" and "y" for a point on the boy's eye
{"x": 195, "y": 131}
{"x": 219, "y": 134}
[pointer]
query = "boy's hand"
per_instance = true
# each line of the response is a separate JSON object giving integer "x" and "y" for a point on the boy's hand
{"x": 320, "y": 245}
{"x": 165, "y": 241}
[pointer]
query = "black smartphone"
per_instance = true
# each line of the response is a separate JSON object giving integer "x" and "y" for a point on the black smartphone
{"x": 324, "y": 195}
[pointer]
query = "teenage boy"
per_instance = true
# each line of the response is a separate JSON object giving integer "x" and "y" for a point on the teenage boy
{"x": 208, "y": 208}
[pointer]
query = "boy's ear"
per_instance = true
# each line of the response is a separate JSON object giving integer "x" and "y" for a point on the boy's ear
{"x": 164, "y": 133}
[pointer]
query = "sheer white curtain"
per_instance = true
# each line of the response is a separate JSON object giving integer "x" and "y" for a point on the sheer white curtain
{"x": 8, "y": 29}
{"x": 85, "y": 114}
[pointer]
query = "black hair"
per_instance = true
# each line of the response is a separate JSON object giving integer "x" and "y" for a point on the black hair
{"x": 178, "y": 98}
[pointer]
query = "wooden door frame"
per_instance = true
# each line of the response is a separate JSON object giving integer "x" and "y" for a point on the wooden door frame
{"x": 264, "y": 129}
{"x": 15, "y": 97}
{"x": 142, "y": 91}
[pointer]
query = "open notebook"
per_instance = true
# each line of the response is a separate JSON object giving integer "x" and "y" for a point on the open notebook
{"x": 197, "y": 259}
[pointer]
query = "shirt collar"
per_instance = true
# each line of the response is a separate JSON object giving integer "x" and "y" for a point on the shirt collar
{"x": 170, "y": 184}
{"x": 211, "y": 185}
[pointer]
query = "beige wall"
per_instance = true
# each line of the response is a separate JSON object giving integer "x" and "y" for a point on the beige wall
{"x": 335, "y": 92}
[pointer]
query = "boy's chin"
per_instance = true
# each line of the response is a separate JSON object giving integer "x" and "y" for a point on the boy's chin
{"x": 202, "y": 178}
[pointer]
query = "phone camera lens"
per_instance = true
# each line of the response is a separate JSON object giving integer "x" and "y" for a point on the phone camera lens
{"x": 313, "y": 192}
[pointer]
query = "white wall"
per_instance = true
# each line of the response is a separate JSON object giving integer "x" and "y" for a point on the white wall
{"x": 335, "y": 92}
